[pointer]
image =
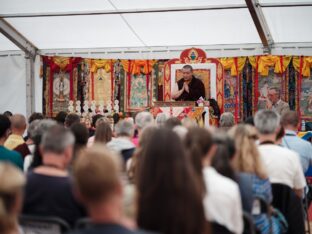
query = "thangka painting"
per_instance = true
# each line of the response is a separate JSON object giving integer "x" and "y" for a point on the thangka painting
{"x": 201, "y": 74}
{"x": 306, "y": 98}
{"x": 273, "y": 80}
{"x": 102, "y": 86}
{"x": 61, "y": 89}
{"x": 138, "y": 93}
{"x": 231, "y": 87}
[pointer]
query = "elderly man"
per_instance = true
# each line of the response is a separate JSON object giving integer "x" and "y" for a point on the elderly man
{"x": 283, "y": 165}
{"x": 122, "y": 144}
{"x": 275, "y": 103}
{"x": 227, "y": 120}
{"x": 18, "y": 127}
{"x": 142, "y": 120}
{"x": 48, "y": 191}
{"x": 290, "y": 121}
{"x": 190, "y": 88}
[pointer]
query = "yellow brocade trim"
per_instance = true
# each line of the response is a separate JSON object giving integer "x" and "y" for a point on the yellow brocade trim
{"x": 62, "y": 62}
{"x": 100, "y": 63}
{"x": 229, "y": 63}
{"x": 306, "y": 65}
{"x": 136, "y": 67}
{"x": 267, "y": 61}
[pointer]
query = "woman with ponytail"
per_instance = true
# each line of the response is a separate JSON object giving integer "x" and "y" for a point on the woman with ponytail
{"x": 12, "y": 182}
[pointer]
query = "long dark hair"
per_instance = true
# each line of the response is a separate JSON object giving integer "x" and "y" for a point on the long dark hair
{"x": 168, "y": 192}
{"x": 224, "y": 154}
{"x": 198, "y": 142}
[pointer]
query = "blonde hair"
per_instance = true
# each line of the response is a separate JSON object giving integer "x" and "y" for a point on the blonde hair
{"x": 12, "y": 182}
{"x": 247, "y": 155}
{"x": 97, "y": 173}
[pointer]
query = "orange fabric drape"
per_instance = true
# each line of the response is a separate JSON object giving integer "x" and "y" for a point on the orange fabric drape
{"x": 136, "y": 67}
{"x": 306, "y": 65}
{"x": 265, "y": 62}
{"x": 100, "y": 63}
{"x": 235, "y": 64}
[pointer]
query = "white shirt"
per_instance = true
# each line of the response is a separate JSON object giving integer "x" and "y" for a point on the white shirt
{"x": 283, "y": 166}
{"x": 222, "y": 202}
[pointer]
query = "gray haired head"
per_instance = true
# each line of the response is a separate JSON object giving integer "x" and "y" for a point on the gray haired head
{"x": 124, "y": 128}
{"x": 227, "y": 120}
{"x": 267, "y": 121}
{"x": 57, "y": 139}
{"x": 39, "y": 128}
{"x": 161, "y": 119}
{"x": 143, "y": 119}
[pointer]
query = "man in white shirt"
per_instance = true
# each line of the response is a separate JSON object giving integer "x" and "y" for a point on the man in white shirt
{"x": 283, "y": 165}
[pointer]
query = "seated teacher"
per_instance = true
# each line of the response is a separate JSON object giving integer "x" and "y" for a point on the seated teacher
{"x": 189, "y": 87}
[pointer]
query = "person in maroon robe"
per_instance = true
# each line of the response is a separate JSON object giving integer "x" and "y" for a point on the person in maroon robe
{"x": 190, "y": 88}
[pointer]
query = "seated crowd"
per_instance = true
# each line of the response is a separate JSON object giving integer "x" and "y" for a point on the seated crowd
{"x": 154, "y": 175}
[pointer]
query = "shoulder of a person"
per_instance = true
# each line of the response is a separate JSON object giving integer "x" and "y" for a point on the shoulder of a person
{"x": 16, "y": 154}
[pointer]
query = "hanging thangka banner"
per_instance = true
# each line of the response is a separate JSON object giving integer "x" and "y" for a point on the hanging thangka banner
{"x": 303, "y": 74}
{"x": 60, "y": 83}
{"x": 138, "y": 84}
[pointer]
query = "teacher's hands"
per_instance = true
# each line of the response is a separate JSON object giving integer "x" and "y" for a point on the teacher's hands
{"x": 186, "y": 87}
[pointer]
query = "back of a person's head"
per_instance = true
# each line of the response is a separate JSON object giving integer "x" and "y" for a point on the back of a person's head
{"x": 18, "y": 122}
{"x": 247, "y": 157}
{"x": 143, "y": 119}
{"x": 95, "y": 118}
{"x": 267, "y": 122}
{"x": 189, "y": 123}
{"x": 5, "y": 126}
{"x": 124, "y": 128}
{"x": 60, "y": 117}
{"x": 8, "y": 114}
{"x": 290, "y": 118}
{"x": 81, "y": 133}
{"x": 172, "y": 122}
{"x": 227, "y": 120}
{"x": 103, "y": 132}
{"x": 71, "y": 119}
{"x": 167, "y": 187}
{"x": 225, "y": 152}
{"x": 39, "y": 128}
{"x": 161, "y": 118}
{"x": 56, "y": 140}
{"x": 198, "y": 142}
{"x": 12, "y": 182}
{"x": 97, "y": 174}
{"x": 35, "y": 116}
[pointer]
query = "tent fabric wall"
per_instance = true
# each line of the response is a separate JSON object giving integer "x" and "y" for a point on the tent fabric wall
{"x": 13, "y": 84}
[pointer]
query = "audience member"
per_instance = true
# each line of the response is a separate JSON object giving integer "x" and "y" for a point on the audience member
{"x": 103, "y": 132}
{"x": 97, "y": 176}
{"x": 161, "y": 119}
{"x": 290, "y": 121}
{"x": 102, "y": 135}
{"x": 93, "y": 124}
{"x": 8, "y": 114}
{"x": 12, "y": 182}
{"x": 226, "y": 121}
{"x": 6, "y": 154}
{"x": 172, "y": 122}
{"x": 283, "y": 165}
{"x": 71, "y": 119}
{"x": 81, "y": 135}
{"x": 18, "y": 127}
{"x": 35, "y": 116}
{"x": 48, "y": 189}
{"x": 222, "y": 199}
{"x": 181, "y": 131}
{"x": 142, "y": 120}
{"x": 252, "y": 177}
{"x": 30, "y": 143}
{"x": 35, "y": 160}
{"x": 60, "y": 117}
{"x": 225, "y": 152}
{"x": 167, "y": 188}
{"x": 123, "y": 143}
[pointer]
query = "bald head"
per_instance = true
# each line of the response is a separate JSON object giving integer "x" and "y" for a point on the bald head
{"x": 18, "y": 124}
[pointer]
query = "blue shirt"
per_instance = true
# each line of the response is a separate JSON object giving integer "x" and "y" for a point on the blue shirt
{"x": 302, "y": 147}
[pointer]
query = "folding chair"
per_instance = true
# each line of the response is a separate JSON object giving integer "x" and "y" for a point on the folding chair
{"x": 47, "y": 225}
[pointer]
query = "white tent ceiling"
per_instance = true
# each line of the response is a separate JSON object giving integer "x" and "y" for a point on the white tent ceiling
{"x": 105, "y": 24}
